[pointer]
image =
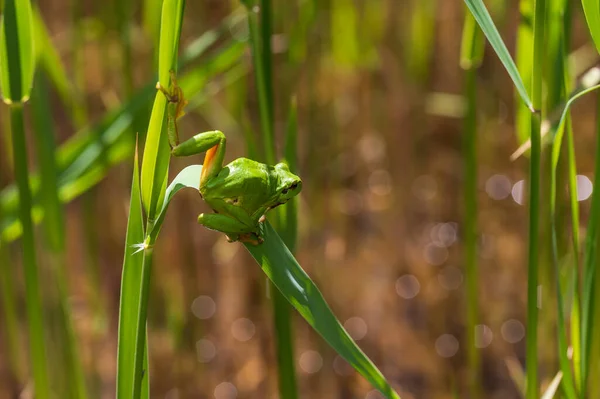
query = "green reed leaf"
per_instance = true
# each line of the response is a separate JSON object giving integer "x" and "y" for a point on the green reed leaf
{"x": 483, "y": 18}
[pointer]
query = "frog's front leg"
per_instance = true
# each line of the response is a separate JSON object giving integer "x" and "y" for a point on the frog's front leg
{"x": 213, "y": 143}
{"x": 176, "y": 103}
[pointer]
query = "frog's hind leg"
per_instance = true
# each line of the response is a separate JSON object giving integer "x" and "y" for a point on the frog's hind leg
{"x": 215, "y": 221}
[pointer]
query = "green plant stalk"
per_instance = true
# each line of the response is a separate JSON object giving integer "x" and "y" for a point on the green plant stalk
{"x": 589, "y": 271}
{"x": 141, "y": 344}
{"x": 576, "y": 306}
{"x": 524, "y": 63}
{"x": 32, "y": 286}
{"x": 260, "y": 43}
{"x": 55, "y": 232}
{"x": 471, "y": 52}
{"x": 567, "y": 381}
{"x": 262, "y": 87}
{"x": 11, "y": 321}
{"x": 154, "y": 175}
{"x": 532, "y": 390}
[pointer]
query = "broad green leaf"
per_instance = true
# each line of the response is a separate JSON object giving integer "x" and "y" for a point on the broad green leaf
{"x": 130, "y": 290}
{"x": 591, "y": 8}
{"x": 483, "y": 18}
{"x": 283, "y": 270}
{"x": 17, "y": 56}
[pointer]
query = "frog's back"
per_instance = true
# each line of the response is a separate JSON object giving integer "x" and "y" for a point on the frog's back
{"x": 243, "y": 180}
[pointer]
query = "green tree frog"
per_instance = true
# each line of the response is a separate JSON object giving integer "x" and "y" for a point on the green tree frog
{"x": 239, "y": 193}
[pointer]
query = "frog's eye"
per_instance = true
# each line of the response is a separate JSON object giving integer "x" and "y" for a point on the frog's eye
{"x": 285, "y": 191}
{"x": 293, "y": 186}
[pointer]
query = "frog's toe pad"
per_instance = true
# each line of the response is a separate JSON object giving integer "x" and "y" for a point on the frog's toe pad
{"x": 262, "y": 219}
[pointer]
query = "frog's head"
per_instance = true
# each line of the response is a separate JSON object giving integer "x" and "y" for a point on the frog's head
{"x": 289, "y": 185}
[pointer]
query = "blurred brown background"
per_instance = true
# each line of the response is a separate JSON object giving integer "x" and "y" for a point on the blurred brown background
{"x": 380, "y": 119}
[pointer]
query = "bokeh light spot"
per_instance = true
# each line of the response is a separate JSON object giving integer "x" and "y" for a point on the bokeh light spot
{"x": 498, "y": 187}
{"x": 310, "y": 361}
{"x": 518, "y": 192}
{"x": 225, "y": 390}
{"x": 584, "y": 187}
{"x": 205, "y": 350}
{"x": 446, "y": 345}
{"x": 407, "y": 286}
{"x": 204, "y": 307}
{"x": 444, "y": 234}
{"x": 512, "y": 331}
{"x": 243, "y": 329}
{"x": 435, "y": 255}
{"x": 356, "y": 327}
{"x": 483, "y": 336}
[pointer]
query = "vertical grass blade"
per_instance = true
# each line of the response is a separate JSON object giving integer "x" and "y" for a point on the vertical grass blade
{"x": 532, "y": 390}
{"x": 55, "y": 233}
{"x": 9, "y": 314}
{"x": 130, "y": 288}
{"x": 260, "y": 22}
{"x": 471, "y": 56}
{"x": 589, "y": 271}
{"x": 288, "y": 226}
{"x": 17, "y": 61}
{"x": 483, "y": 18}
{"x": 154, "y": 175}
{"x": 525, "y": 66}
{"x": 33, "y": 300}
{"x": 263, "y": 87}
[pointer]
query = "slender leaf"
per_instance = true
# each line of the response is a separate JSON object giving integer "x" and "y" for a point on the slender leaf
{"x": 130, "y": 287}
{"x": 39, "y": 366}
{"x": 591, "y": 8}
{"x": 483, "y": 18}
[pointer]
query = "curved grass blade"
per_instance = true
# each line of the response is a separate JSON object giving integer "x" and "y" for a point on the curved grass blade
{"x": 557, "y": 126}
{"x": 283, "y": 270}
{"x": 591, "y": 9}
{"x": 483, "y": 18}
